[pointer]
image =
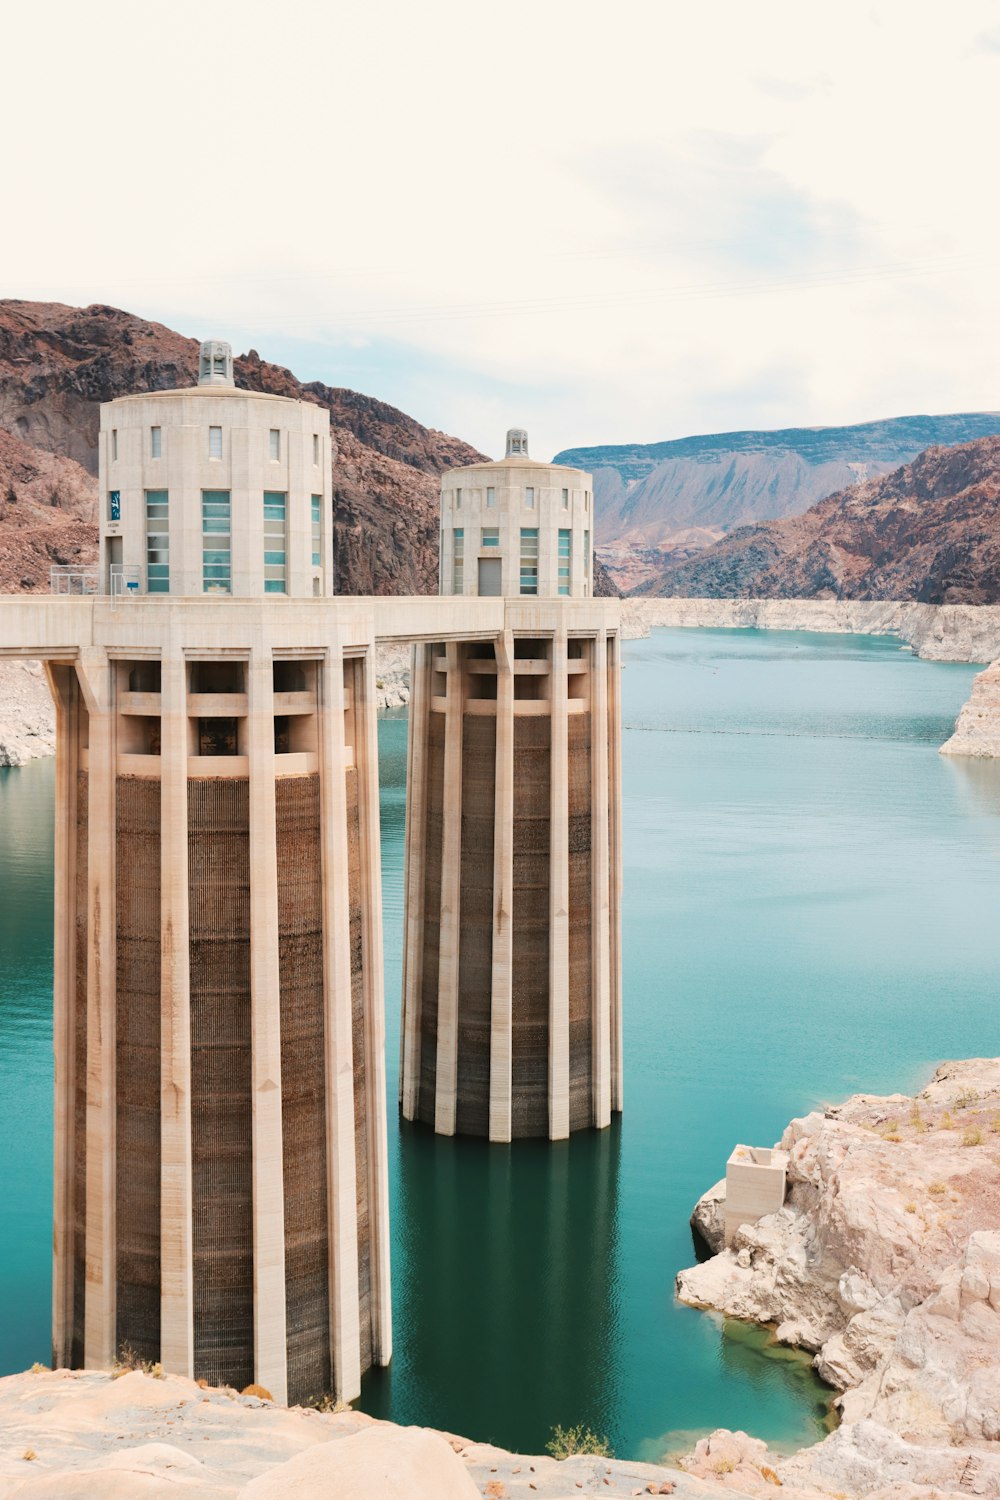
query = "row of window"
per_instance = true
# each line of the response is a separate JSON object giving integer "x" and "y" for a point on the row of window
{"x": 528, "y": 576}
{"x": 216, "y": 540}
{"x": 529, "y": 497}
{"x": 214, "y": 443}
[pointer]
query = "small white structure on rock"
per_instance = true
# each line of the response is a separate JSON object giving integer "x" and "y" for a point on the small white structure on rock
{"x": 755, "y": 1185}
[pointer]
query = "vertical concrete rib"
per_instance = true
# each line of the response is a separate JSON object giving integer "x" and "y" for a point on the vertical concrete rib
{"x": 366, "y": 759}
{"x": 446, "y": 1092}
{"x": 99, "y": 1318}
{"x": 62, "y": 685}
{"x": 345, "y": 1338}
{"x": 559, "y": 890}
{"x": 615, "y": 884}
{"x": 270, "y": 1358}
{"x": 601, "y": 883}
{"x": 501, "y": 994}
{"x": 176, "y": 1263}
{"x": 416, "y": 844}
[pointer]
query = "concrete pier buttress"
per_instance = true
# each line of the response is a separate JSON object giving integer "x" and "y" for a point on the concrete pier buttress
{"x": 220, "y": 1196}
{"x": 511, "y": 1006}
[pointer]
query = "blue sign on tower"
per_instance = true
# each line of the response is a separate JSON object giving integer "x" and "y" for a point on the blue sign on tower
{"x": 115, "y": 505}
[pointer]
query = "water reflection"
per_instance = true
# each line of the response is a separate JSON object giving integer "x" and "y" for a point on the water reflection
{"x": 505, "y": 1282}
{"x": 977, "y": 782}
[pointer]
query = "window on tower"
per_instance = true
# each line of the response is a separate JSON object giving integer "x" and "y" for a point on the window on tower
{"x": 529, "y": 560}
{"x": 215, "y": 442}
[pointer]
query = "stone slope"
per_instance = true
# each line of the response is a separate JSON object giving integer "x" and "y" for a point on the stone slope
{"x": 930, "y": 532}
{"x": 47, "y": 514}
{"x": 57, "y": 364}
{"x": 885, "y": 1263}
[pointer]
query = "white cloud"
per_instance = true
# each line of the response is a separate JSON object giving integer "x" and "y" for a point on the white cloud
{"x": 625, "y": 222}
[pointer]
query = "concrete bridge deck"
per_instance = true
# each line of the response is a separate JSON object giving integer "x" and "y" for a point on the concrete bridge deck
{"x": 54, "y": 628}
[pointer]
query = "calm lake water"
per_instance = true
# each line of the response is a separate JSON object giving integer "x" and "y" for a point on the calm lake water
{"x": 810, "y": 910}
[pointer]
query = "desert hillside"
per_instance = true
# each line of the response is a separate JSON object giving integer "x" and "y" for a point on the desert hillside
{"x": 660, "y": 503}
{"x": 929, "y": 531}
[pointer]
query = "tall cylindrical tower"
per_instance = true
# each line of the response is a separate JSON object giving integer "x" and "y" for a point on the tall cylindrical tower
{"x": 220, "y": 1190}
{"x": 512, "y": 988}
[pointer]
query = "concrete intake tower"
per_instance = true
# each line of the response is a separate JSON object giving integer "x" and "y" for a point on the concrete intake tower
{"x": 512, "y": 1016}
{"x": 220, "y": 1178}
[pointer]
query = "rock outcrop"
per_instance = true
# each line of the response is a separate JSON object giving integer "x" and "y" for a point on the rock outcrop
{"x": 27, "y": 715}
{"x": 977, "y": 731}
{"x": 885, "y": 1263}
{"x": 929, "y": 531}
{"x": 948, "y": 632}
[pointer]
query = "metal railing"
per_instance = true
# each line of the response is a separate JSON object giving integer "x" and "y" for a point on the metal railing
{"x": 72, "y": 579}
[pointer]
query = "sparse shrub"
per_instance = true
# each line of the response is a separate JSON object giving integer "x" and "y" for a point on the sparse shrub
{"x": 911, "y": 1208}
{"x": 128, "y": 1360}
{"x": 567, "y": 1442}
{"x": 995, "y": 1124}
{"x": 973, "y": 1136}
{"x": 260, "y": 1391}
{"x": 328, "y": 1403}
{"x": 917, "y": 1120}
{"x": 766, "y": 1472}
{"x": 966, "y": 1099}
{"x": 38, "y": 1368}
{"x": 723, "y": 1465}
{"x": 936, "y": 1189}
{"x": 947, "y": 1121}
{"x": 29, "y": 1455}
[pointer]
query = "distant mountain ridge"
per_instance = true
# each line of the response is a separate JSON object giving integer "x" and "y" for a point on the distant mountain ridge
{"x": 657, "y": 502}
{"x": 929, "y": 532}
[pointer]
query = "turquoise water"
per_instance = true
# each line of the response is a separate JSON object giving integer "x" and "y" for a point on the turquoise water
{"x": 810, "y": 909}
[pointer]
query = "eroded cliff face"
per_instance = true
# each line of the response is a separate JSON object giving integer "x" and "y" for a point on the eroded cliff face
{"x": 57, "y": 364}
{"x": 928, "y": 532}
{"x": 885, "y": 1262}
{"x": 977, "y": 731}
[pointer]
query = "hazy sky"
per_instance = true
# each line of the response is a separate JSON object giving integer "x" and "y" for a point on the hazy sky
{"x": 606, "y": 222}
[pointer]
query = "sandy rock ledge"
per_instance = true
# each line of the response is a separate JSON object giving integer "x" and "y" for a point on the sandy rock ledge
{"x": 69, "y": 1434}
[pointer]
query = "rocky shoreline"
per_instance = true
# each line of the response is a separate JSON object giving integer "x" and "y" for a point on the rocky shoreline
{"x": 937, "y": 632}
{"x": 885, "y": 1263}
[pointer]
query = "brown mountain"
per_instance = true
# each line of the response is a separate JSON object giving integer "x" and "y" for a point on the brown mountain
{"x": 46, "y": 514}
{"x": 929, "y": 531}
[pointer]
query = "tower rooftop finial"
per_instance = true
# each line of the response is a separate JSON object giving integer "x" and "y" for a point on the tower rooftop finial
{"x": 517, "y": 442}
{"x": 215, "y": 363}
